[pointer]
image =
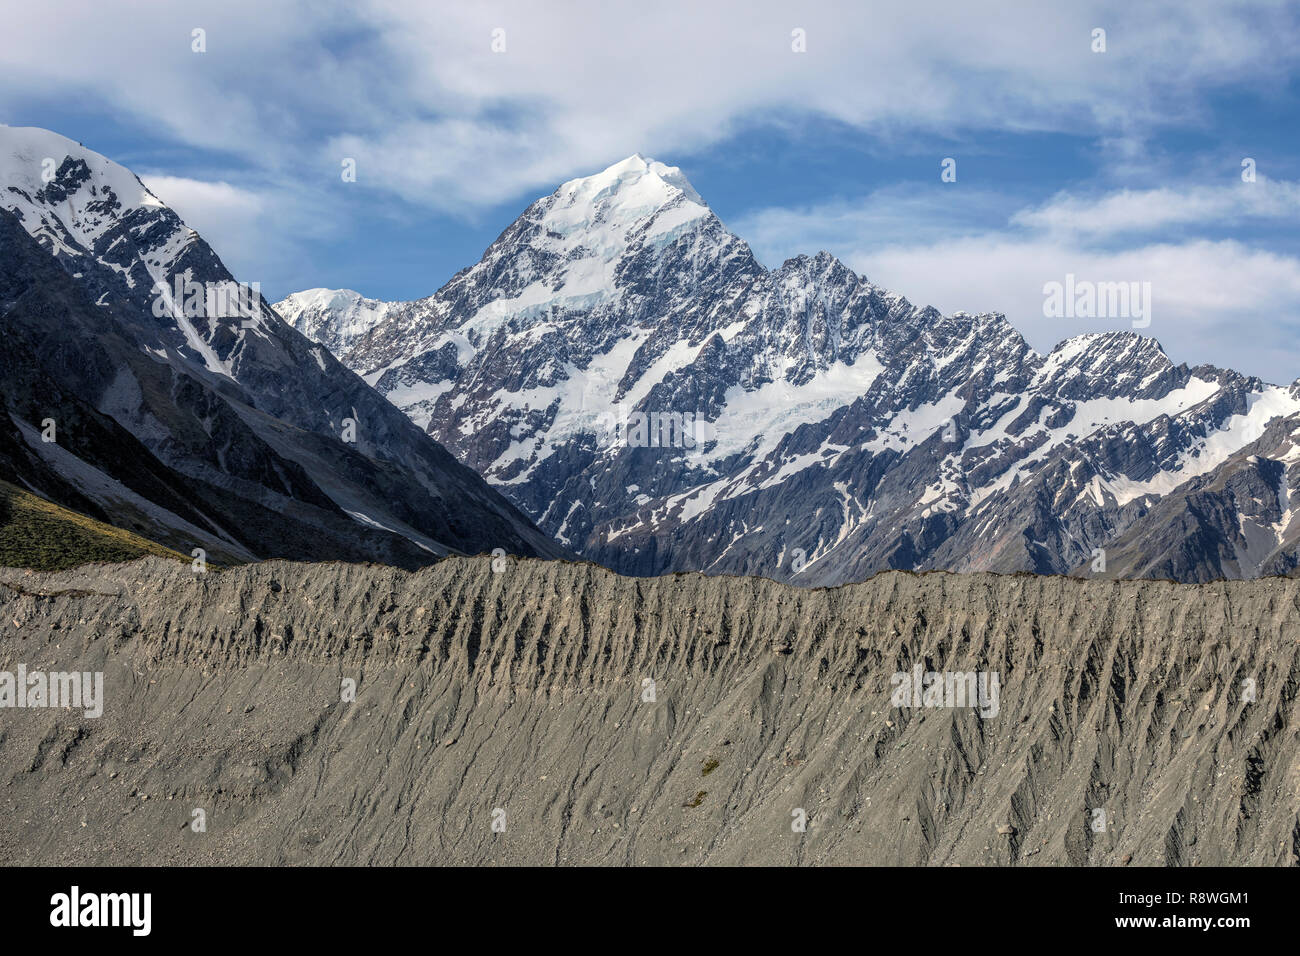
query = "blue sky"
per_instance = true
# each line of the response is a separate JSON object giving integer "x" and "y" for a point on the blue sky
{"x": 1116, "y": 165}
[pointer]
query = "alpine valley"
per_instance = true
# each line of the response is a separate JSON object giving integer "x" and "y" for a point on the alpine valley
{"x": 622, "y": 368}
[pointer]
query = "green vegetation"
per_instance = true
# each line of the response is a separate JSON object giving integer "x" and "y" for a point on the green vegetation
{"x": 709, "y": 767}
{"x": 699, "y": 798}
{"x": 37, "y": 534}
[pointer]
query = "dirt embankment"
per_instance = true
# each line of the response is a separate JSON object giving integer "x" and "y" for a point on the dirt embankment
{"x": 557, "y": 713}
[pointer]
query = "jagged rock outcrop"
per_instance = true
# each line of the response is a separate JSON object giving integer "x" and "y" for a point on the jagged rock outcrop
{"x": 1169, "y": 708}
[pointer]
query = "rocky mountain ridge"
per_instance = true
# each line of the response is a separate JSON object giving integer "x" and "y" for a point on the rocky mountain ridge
{"x": 144, "y": 386}
{"x": 622, "y": 367}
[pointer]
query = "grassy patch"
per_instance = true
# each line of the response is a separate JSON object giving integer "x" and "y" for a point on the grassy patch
{"x": 37, "y": 534}
{"x": 709, "y": 767}
{"x": 699, "y": 798}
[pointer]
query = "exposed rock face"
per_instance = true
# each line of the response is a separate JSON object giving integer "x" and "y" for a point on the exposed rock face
{"x": 1238, "y": 520}
{"x": 186, "y": 410}
{"x": 1169, "y": 708}
{"x": 832, "y": 428}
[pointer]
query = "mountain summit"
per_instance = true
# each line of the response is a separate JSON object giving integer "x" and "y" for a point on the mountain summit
{"x": 620, "y": 366}
{"x": 633, "y": 187}
{"x": 562, "y": 255}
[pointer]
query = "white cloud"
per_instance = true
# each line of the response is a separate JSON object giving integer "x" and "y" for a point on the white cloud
{"x": 584, "y": 84}
{"x": 1212, "y": 302}
{"x": 257, "y": 233}
{"x": 1131, "y": 211}
{"x": 415, "y": 90}
{"x": 221, "y": 212}
{"x": 908, "y": 213}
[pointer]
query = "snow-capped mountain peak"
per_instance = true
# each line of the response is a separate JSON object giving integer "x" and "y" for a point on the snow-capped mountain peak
{"x": 631, "y": 186}
{"x": 29, "y": 155}
{"x": 335, "y": 318}
{"x": 42, "y": 170}
{"x": 819, "y": 427}
{"x": 634, "y": 203}
{"x": 1118, "y": 362}
{"x": 156, "y": 331}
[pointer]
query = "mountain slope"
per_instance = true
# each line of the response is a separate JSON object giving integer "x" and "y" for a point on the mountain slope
{"x": 679, "y": 720}
{"x": 35, "y": 533}
{"x": 1237, "y": 520}
{"x": 207, "y": 420}
{"x": 620, "y": 365}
